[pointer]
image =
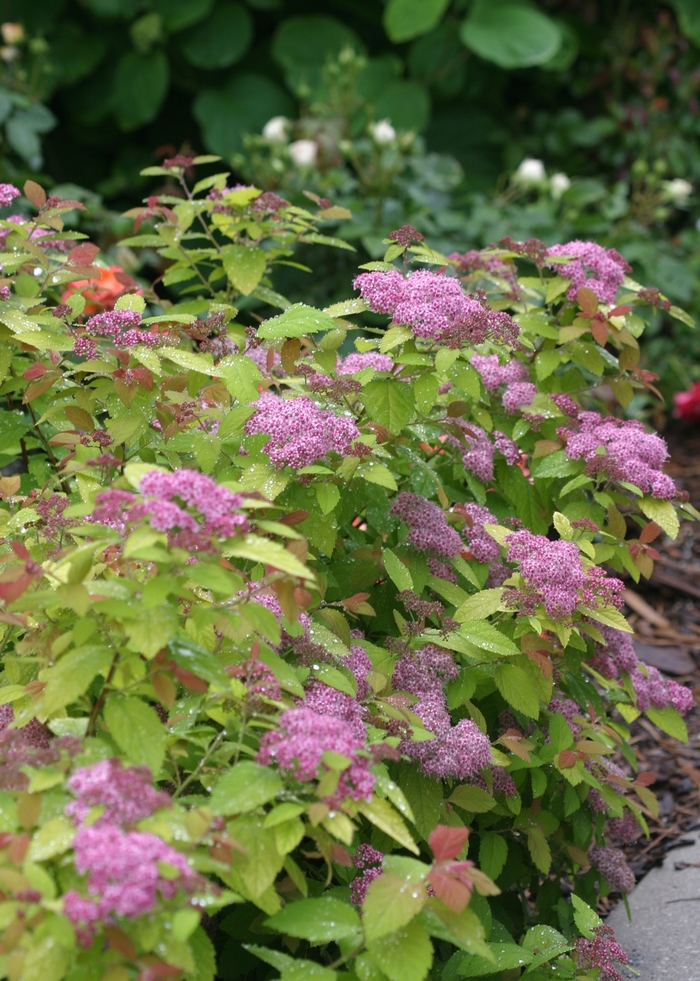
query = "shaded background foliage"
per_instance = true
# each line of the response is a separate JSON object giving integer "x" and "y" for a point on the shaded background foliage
{"x": 606, "y": 93}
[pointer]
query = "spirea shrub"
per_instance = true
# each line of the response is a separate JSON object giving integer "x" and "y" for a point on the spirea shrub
{"x": 313, "y": 658}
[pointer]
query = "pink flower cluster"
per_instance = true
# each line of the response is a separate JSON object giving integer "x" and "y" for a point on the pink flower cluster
{"x": 612, "y": 864}
{"x": 624, "y": 829}
{"x": 300, "y": 432}
{"x": 435, "y": 307}
{"x": 369, "y": 861}
{"x": 124, "y": 795}
{"x": 601, "y": 270}
{"x": 8, "y": 192}
{"x": 602, "y": 951}
{"x": 554, "y": 576}
{"x": 478, "y": 454}
{"x": 652, "y": 690}
{"x": 369, "y": 359}
{"x": 630, "y": 453}
{"x": 165, "y": 497}
{"x": 124, "y": 869}
{"x": 459, "y": 751}
{"x": 300, "y": 742}
{"x": 483, "y": 547}
{"x": 120, "y": 326}
{"x": 519, "y": 392}
{"x": 429, "y": 531}
{"x": 325, "y": 700}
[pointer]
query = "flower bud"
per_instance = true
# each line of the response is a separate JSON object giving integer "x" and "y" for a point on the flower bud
{"x": 303, "y": 152}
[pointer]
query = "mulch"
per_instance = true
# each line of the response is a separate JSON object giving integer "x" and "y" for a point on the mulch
{"x": 665, "y": 615}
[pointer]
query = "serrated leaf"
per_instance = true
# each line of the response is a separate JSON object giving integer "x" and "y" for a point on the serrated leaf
{"x": 244, "y": 266}
{"x": 390, "y": 903}
{"x": 390, "y": 403}
{"x": 472, "y": 799}
{"x": 480, "y": 606}
{"x": 489, "y": 638}
{"x": 405, "y": 955}
{"x": 539, "y": 849}
{"x": 393, "y": 337}
{"x": 663, "y": 513}
{"x": 137, "y": 730}
{"x": 517, "y": 689}
{"x": 586, "y": 919}
{"x": 319, "y": 920}
{"x": 669, "y": 720}
{"x": 70, "y": 678}
{"x": 383, "y": 816}
{"x": 493, "y": 852}
{"x": 244, "y": 788}
{"x": 377, "y": 473}
{"x": 396, "y": 570}
{"x": 241, "y": 377}
{"x": 297, "y": 321}
{"x": 346, "y": 307}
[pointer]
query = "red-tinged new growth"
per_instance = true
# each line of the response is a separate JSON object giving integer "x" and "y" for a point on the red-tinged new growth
{"x": 451, "y": 880}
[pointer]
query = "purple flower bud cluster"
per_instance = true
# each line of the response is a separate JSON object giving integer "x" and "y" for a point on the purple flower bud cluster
{"x": 519, "y": 392}
{"x": 441, "y": 570}
{"x": 217, "y": 510}
{"x": 568, "y": 708}
{"x": 503, "y": 783}
{"x": 506, "y": 447}
{"x": 435, "y": 307}
{"x": 483, "y": 547}
{"x": 602, "y": 951}
{"x": 50, "y": 509}
{"x": 623, "y": 449}
{"x": 8, "y": 192}
{"x": 518, "y": 395}
{"x": 120, "y": 326}
{"x": 601, "y": 270}
{"x": 124, "y": 868}
{"x": 429, "y": 531}
{"x": 369, "y": 359}
{"x": 5, "y": 292}
{"x": 300, "y": 432}
{"x": 459, "y": 751}
{"x": 650, "y": 687}
{"x": 300, "y": 742}
{"x": 611, "y": 863}
{"x": 554, "y": 576}
{"x": 324, "y": 700}
{"x": 624, "y": 829}
{"x": 369, "y": 861}
{"x": 271, "y": 603}
{"x": 478, "y": 455}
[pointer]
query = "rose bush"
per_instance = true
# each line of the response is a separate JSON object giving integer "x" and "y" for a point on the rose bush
{"x": 313, "y": 655}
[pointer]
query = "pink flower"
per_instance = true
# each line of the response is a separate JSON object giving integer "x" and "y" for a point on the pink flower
{"x": 370, "y": 359}
{"x": 300, "y": 432}
{"x": 493, "y": 373}
{"x": 518, "y": 395}
{"x": 300, "y": 742}
{"x": 435, "y": 307}
{"x": 328, "y": 701}
{"x": 607, "y": 267}
{"x": 611, "y": 863}
{"x": 125, "y": 794}
{"x": 369, "y": 861}
{"x": 479, "y": 452}
{"x": 630, "y": 452}
{"x": 429, "y": 531}
{"x": 483, "y": 547}
{"x": 8, "y": 192}
{"x": 602, "y": 951}
{"x": 688, "y": 403}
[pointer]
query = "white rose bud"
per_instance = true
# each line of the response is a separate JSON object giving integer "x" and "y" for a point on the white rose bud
{"x": 383, "y": 132}
{"x": 303, "y": 153}
{"x": 678, "y": 190}
{"x": 558, "y": 184}
{"x": 275, "y": 129}
{"x": 530, "y": 172}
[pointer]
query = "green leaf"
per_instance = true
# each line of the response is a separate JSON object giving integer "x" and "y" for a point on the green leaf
{"x": 539, "y": 849}
{"x": 480, "y": 605}
{"x": 203, "y": 954}
{"x": 560, "y": 734}
{"x": 244, "y": 788}
{"x": 390, "y": 403}
{"x": 137, "y": 730}
{"x": 425, "y": 389}
{"x": 488, "y": 638}
{"x": 199, "y": 661}
{"x": 464, "y": 930}
{"x": 405, "y": 955}
{"x": 586, "y": 919}
{"x": 155, "y": 626}
{"x": 393, "y": 337}
{"x": 139, "y": 87}
{"x": 472, "y": 799}
{"x": 206, "y": 448}
{"x": 511, "y": 34}
{"x": 391, "y": 902}
{"x": 46, "y": 960}
{"x": 264, "y": 861}
{"x": 517, "y": 689}
{"x": 241, "y": 377}
{"x": 244, "y": 104}
{"x": 406, "y": 19}
{"x": 493, "y": 852}
{"x": 297, "y": 321}
{"x": 555, "y": 465}
{"x": 178, "y": 14}
{"x": 71, "y": 677}
{"x": 328, "y": 496}
{"x": 203, "y": 363}
{"x": 220, "y": 40}
{"x": 317, "y": 920}
{"x": 244, "y": 266}
{"x": 346, "y": 307}
{"x": 424, "y": 797}
{"x": 383, "y": 816}
{"x": 663, "y": 513}
{"x": 269, "y": 553}
{"x": 51, "y": 839}
{"x": 377, "y": 473}
{"x": 396, "y": 570}
{"x": 505, "y": 957}
{"x": 546, "y": 943}
{"x": 669, "y": 720}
